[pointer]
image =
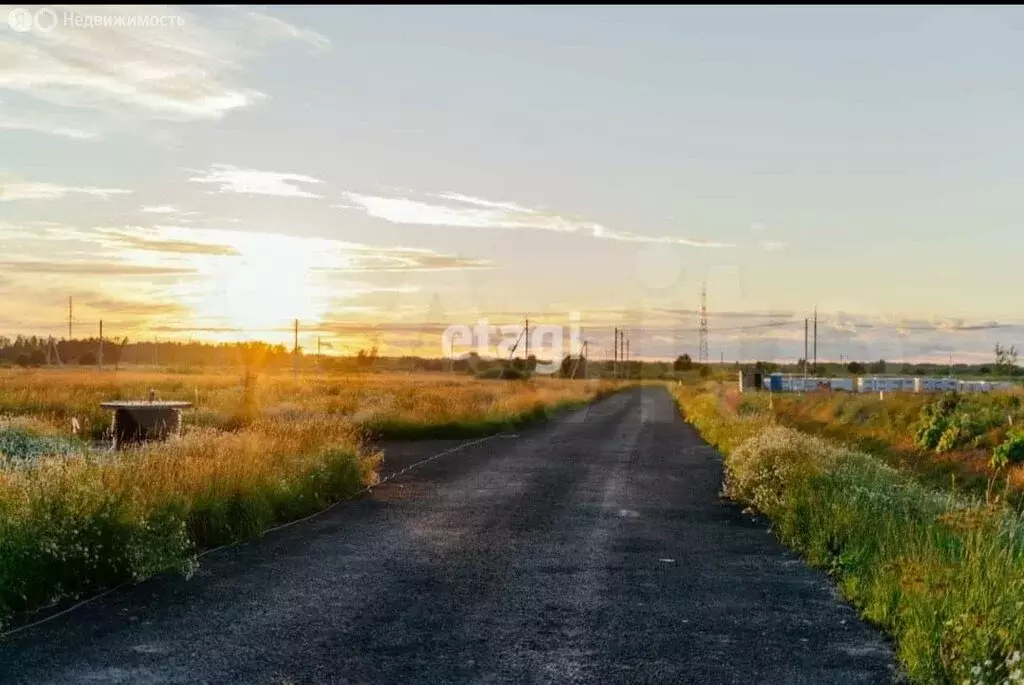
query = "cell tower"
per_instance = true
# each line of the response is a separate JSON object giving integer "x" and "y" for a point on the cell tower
{"x": 702, "y": 354}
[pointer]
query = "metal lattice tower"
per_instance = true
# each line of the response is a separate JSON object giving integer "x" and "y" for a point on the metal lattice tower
{"x": 702, "y": 354}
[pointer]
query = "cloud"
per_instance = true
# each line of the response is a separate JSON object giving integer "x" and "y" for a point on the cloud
{"x": 159, "y": 209}
{"x": 131, "y": 307}
{"x": 272, "y": 27}
{"x": 384, "y": 260}
{"x": 472, "y": 212}
{"x": 90, "y": 268}
{"x": 51, "y": 191}
{"x": 312, "y": 255}
{"x": 231, "y": 179}
{"x": 139, "y": 242}
{"x": 183, "y": 69}
{"x": 772, "y": 245}
{"x": 36, "y": 125}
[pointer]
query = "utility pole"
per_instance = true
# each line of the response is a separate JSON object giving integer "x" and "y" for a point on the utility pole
{"x": 815, "y": 340}
{"x": 806, "y": 349}
{"x": 627, "y": 358}
{"x": 101, "y": 345}
{"x": 69, "y": 318}
{"x": 615, "y": 358}
{"x": 526, "y": 353}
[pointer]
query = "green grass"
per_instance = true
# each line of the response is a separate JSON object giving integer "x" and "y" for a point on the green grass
{"x": 942, "y": 572}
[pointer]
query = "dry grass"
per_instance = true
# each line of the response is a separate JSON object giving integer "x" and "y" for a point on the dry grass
{"x": 377, "y": 402}
{"x": 74, "y": 519}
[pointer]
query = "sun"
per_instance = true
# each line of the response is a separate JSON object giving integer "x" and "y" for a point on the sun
{"x": 259, "y": 292}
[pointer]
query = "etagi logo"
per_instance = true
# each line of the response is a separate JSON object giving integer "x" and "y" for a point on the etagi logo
{"x": 547, "y": 341}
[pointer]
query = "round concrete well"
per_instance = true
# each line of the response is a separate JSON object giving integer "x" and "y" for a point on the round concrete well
{"x": 137, "y": 422}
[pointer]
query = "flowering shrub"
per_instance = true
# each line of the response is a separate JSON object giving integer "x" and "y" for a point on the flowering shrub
{"x": 1009, "y": 452}
{"x": 18, "y": 442}
{"x": 942, "y": 572}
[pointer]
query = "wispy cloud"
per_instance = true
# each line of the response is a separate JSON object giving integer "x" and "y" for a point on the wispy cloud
{"x": 186, "y": 68}
{"x": 152, "y": 242}
{"x": 126, "y": 307}
{"x": 159, "y": 209}
{"x": 89, "y": 268}
{"x": 37, "y": 125}
{"x": 772, "y": 245}
{"x": 231, "y": 179}
{"x": 312, "y": 255}
{"x": 473, "y": 212}
{"x": 52, "y": 191}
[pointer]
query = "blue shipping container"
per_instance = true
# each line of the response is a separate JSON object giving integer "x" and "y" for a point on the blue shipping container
{"x": 776, "y": 382}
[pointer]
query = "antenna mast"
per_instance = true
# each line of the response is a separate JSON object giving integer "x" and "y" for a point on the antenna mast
{"x": 702, "y": 354}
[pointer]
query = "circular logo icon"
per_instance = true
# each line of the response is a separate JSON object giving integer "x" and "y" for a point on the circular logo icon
{"x": 46, "y": 19}
{"x": 20, "y": 19}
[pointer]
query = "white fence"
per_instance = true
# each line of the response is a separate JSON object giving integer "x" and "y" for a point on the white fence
{"x": 884, "y": 384}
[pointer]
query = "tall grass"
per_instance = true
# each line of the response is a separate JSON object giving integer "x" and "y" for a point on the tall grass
{"x": 253, "y": 453}
{"x": 388, "y": 405}
{"x": 69, "y": 525}
{"x": 887, "y": 428}
{"x": 942, "y": 572}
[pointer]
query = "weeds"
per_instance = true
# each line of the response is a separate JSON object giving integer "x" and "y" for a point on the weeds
{"x": 254, "y": 452}
{"x": 942, "y": 572}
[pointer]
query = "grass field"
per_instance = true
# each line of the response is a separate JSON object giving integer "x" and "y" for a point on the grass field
{"x": 941, "y": 570}
{"x": 75, "y": 517}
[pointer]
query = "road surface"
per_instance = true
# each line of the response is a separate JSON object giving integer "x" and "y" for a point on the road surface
{"x": 590, "y": 550}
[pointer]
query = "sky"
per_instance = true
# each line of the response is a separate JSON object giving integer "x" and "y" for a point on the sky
{"x": 383, "y": 173}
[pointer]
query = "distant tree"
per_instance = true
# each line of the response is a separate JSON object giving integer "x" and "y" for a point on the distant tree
{"x": 877, "y": 367}
{"x": 855, "y": 368}
{"x": 705, "y": 371}
{"x": 1006, "y": 360}
{"x": 985, "y": 369}
{"x": 682, "y": 363}
{"x": 36, "y": 358}
{"x": 366, "y": 359}
{"x": 21, "y": 360}
{"x": 87, "y": 359}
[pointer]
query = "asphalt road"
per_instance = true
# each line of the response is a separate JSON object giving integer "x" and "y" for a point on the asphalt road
{"x": 590, "y": 550}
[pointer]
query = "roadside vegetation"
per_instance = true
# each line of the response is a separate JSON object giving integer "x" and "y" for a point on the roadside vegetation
{"x": 941, "y": 570}
{"x": 941, "y": 439}
{"x": 76, "y": 518}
